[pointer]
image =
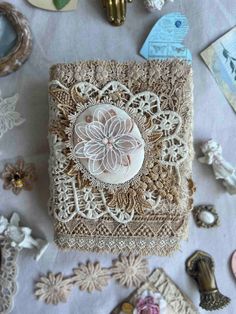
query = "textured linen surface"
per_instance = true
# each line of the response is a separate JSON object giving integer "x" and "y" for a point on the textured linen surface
{"x": 81, "y": 35}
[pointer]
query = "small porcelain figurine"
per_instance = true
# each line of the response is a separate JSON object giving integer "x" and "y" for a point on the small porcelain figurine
{"x": 222, "y": 169}
{"x": 20, "y": 237}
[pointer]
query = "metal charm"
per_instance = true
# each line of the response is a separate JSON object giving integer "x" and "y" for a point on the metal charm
{"x": 200, "y": 266}
{"x": 206, "y": 216}
{"x": 116, "y": 11}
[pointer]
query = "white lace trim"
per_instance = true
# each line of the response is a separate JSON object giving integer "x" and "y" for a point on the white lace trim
{"x": 139, "y": 245}
{"x": 8, "y": 273}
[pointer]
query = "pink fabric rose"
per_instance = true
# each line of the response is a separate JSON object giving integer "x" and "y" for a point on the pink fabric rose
{"x": 147, "y": 306}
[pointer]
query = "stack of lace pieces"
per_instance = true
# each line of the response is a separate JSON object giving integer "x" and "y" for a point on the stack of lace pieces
{"x": 121, "y": 155}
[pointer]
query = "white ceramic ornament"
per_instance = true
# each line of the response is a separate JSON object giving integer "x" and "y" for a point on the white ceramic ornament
{"x": 49, "y": 5}
{"x": 222, "y": 169}
{"x": 20, "y": 237}
{"x": 153, "y": 5}
{"x": 233, "y": 263}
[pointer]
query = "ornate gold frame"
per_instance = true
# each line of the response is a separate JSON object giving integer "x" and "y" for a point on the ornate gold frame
{"x": 22, "y": 50}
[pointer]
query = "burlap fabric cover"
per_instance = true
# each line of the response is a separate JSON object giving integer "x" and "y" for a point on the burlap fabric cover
{"x": 121, "y": 155}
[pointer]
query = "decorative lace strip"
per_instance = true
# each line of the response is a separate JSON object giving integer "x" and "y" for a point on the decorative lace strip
{"x": 129, "y": 271}
{"x": 8, "y": 273}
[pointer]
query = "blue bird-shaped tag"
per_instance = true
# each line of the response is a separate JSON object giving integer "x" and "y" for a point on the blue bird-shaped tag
{"x": 166, "y": 37}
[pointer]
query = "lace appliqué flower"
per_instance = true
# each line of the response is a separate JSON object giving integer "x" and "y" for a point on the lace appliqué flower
{"x": 9, "y": 118}
{"x": 18, "y": 177}
{"x": 53, "y": 289}
{"x": 91, "y": 277}
{"x": 130, "y": 271}
{"x": 106, "y": 141}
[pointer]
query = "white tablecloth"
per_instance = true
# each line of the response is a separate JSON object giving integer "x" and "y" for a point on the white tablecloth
{"x": 85, "y": 34}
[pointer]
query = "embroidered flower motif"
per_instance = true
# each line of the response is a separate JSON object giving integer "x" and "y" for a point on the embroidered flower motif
{"x": 18, "y": 177}
{"x": 91, "y": 277}
{"x": 150, "y": 303}
{"x": 130, "y": 271}
{"x": 106, "y": 141}
{"x": 53, "y": 289}
{"x": 9, "y": 118}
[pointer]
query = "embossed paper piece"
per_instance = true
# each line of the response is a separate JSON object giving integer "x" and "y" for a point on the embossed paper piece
{"x": 121, "y": 154}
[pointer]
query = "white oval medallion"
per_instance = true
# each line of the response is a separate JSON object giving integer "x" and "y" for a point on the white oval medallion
{"x": 108, "y": 143}
{"x": 207, "y": 217}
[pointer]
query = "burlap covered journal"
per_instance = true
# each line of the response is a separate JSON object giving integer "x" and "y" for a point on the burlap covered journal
{"x": 121, "y": 155}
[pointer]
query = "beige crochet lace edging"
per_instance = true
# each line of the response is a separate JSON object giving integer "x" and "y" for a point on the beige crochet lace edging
{"x": 148, "y": 215}
{"x": 128, "y": 271}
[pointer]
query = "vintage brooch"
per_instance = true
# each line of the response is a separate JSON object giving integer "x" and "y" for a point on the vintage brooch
{"x": 19, "y": 176}
{"x": 206, "y": 216}
{"x": 200, "y": 266}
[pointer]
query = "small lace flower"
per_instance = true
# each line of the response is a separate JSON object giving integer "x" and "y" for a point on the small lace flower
{"x": 53, "y": 289}
{"x": 9, "y": 118}
{"x": 18, "y": 177}
{"x": 130, "y": 271}
{"x": 106, "y": 141}
{"x": 91, "y": 277}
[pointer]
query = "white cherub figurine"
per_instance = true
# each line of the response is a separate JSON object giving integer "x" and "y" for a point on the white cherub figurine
{"x": 222, "y": 169}
{"x": 21, "y": 237}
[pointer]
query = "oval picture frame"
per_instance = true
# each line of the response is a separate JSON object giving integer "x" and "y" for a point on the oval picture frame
{"x": 23, "y": 47}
